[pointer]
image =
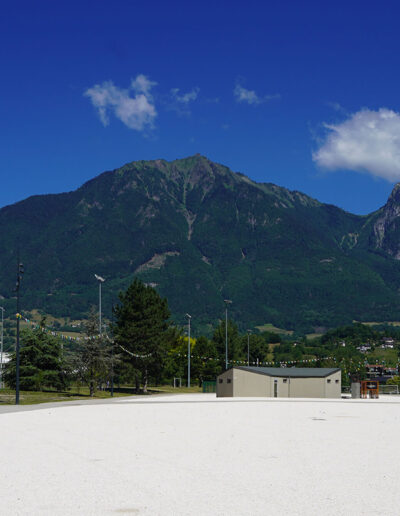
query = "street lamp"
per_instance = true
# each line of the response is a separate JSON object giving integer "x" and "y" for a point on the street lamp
{"x": 20, "y": 272}
{"x": 112, "y": 351}
{"x": 189, "y": 317}
{"x": 248, "y": 347}
{"x": 1, "y": 348}
{"x": 227, "y": 302}
{"x": 100, "y": 280}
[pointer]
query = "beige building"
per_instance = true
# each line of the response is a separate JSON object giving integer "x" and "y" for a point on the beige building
{"x": 280, "y": 382}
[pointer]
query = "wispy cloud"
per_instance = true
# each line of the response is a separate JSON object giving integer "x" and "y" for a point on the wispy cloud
{"x": 336, "y": 106}
{"x": 133, "y": 106}
{"x": 184, "y": 98}
{"x": 242, "y": 94}
{"x": 180, "y": 102}
{"x": 368, "y": 141}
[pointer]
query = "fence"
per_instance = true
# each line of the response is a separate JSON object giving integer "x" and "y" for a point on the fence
{"x": 210, "y": 386}
{"x": 383, "y": 389}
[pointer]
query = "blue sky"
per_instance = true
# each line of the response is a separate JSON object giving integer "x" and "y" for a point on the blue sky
{"x": 301, "y": 94}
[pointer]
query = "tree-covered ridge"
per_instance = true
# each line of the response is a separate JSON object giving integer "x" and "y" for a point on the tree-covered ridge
{"x": 201, "y": 233}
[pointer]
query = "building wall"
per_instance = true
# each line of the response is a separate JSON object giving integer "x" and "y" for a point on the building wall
{"x": 253, "y": 384}
{"x": 241, "y": 383}
{"x": 333, "y": 389}
{"x": 225, "y": 384}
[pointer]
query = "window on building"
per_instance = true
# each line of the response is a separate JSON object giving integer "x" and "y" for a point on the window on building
{"x": 221, "y": 380}
{"x": 336, "y": 381}
{"x": 228, "y": 380}
{"x": 328, "y": 381}
{"x": 285, "y": 380}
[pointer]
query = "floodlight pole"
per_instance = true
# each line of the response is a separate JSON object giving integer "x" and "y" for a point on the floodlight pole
{"x": 189, "y": 349}
{"x": 248, "y": 347}
{"x": 20, "y": 272}
{"x": 1, "y": 348}
{"x": 100, "y": 280}
{"x": 226, "y": 301}
{"x": 112, "y": 352}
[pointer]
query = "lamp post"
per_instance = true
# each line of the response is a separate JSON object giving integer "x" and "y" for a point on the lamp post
{"x": 189, "y": 317}
{"x": 100, "y": 280}
{"x": 227, "y": 302}
{"x": 1, "y": 348}
{"x": 248, "y": 347}
{"x": 20, "y": 272}
{"x": 112, "y": 352}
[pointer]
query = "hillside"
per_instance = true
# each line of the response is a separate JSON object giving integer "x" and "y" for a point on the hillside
{"x": 201, "y": 233}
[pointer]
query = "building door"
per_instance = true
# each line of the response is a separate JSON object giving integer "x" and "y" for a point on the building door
{"x": 275, "y": 388}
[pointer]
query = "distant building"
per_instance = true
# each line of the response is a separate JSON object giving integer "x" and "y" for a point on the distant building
{"x": 6, "y": 357}
{"x": 279, "y": 382}
{"x": 380, "y": 373}
{"x": 364, "y": 348}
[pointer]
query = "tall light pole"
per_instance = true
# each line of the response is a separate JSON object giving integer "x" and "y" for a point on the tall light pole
{"x": 100, "y": 280}
{"x": 248, "y": 347}
{"x": 227, "y": 302}
{"x": 189, "y": 317}
{"x": 1, "y": 346}
{"x": 112, "y": 352}
{"x": 20, "y": 272}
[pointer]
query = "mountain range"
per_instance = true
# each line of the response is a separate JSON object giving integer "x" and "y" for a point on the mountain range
{"x": 200, "y": 234}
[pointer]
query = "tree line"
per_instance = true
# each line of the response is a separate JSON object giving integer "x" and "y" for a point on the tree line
{"x": 142, "y": 347}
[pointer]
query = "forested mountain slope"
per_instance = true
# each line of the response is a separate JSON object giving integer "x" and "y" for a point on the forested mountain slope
{"x": 201, "y": 234}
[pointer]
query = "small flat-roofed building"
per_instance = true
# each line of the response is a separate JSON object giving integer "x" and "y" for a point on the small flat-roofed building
{"x": 280, "y": 382}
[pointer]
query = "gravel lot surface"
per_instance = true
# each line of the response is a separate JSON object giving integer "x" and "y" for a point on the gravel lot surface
{"x": 197, "y": 455}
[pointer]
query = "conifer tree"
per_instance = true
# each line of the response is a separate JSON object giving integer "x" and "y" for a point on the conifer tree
{"x": 142, "y": 329}
{"x": 41, "y": 361}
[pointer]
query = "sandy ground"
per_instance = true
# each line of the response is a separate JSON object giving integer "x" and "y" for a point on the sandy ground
{"x": 196, "y": 455}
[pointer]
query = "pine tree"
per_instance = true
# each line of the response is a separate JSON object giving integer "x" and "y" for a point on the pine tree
{"x": 41, "y": 362}
{"x": 142, "y": 329}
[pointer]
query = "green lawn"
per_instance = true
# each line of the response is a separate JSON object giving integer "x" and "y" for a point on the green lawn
{"x": 389, "y": 356}
{"x": 274, "y": 329}
{"x": 377, "y": 323}
{"x": 7, "y": 396}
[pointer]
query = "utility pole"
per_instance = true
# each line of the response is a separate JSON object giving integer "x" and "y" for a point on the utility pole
{"x": 248, "y": 347}
{"x": 100, "y": 280}
{"x": 1, "y": 348}
{"x": 189, "y": 349}
{"x": 227, "y": 302}
{"x": 20, "y": 272}
{"x": 112, "y": 352}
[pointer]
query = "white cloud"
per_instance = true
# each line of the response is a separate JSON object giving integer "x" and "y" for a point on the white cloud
{"x": 133, "y": 106}
{"x": 368, "y": 141}
{"x": 184, "y": 98}
{"x": 250, "y": 96}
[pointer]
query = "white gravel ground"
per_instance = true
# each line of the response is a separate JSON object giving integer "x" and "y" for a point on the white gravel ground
{"x": 198, "y": 455}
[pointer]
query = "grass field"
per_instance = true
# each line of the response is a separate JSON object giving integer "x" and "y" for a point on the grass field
{"x": 388, "y": 356}
{"x": 311, "y": 336}
{"x": 274, "y": 329}
{"x": 377, "y": 323}
{"x": 7, "y": 396}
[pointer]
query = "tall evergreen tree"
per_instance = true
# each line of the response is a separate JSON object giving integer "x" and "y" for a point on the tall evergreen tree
{"x": 41, "y": 362}
{"x": 142, "y": 329}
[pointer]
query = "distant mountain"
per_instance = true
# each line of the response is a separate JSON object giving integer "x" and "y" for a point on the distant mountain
{"x": 200, "y": 234}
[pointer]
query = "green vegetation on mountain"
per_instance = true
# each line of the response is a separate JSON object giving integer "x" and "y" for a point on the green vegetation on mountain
{"x": 200, "y": 234}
